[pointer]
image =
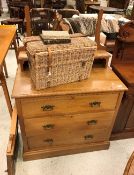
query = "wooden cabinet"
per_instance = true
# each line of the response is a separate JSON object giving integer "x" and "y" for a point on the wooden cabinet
{"x": 123, "y": 66}
{"x": 70, "y": 118}
{"x": 124, "y": 125}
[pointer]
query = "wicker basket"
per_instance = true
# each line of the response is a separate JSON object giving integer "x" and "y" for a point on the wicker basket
{"x": 52, "y": 65}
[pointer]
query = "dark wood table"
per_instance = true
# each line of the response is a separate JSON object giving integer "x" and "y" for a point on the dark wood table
{"x": 109, "y": 10}
{"x": 7, "y": 35}
{"x": 89, "y": 3}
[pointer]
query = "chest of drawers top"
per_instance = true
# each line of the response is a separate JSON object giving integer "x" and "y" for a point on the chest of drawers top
{"x": 100, "y": 80}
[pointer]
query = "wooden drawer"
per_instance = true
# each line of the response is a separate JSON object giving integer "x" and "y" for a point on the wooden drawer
{"x": 67, "y": 138}
{"x": 34, "y": 107}
{"x": 70, "y": 123}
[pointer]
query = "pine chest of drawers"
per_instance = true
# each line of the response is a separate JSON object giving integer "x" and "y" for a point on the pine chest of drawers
{"x": 67, "y": 119}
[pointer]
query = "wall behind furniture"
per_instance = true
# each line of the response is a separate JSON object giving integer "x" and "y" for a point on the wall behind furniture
{"x": 70, "y": 2}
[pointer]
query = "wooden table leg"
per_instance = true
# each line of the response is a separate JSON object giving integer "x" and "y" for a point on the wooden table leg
{"x": 12, "y": 147}
{"x": 15, "y": 48}
{"x": 5, "y": 69}
{"x": 6, "y": 93}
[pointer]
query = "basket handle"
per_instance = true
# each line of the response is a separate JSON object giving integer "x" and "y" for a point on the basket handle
{"x": 49, "y": 61}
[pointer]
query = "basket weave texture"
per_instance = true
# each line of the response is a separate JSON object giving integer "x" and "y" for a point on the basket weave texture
{"x": 55, "y": 64}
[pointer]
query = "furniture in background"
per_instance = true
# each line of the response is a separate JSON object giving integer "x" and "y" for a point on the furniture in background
{"x": 101, "y": 53}
{"x": 55, "y": 4}
{"x": 130, "y": 12}
{"x": 67, "y": 13}
{"x": 7, "y": 35}
{"x": 33, "y": 29}
{"x": 88, "y": 3}
{"x": 41, "y": 19}
{"x": 15, "y": 21}
{"x": 123, "y": 66}
{"x": 39, "y": 3}
{"x": 5, "y": 69}
{"x": 22, "y": 57}
{"x": 80, "y": 6}
{"x": 14, "y": 5}
{"x": 121, "y": 4}
{"x": 110, "y": 44}
{"x": 38, "y": 19}
{"x": 129, "y": 170}
{"x": 109, "y": 10}
{"x": 16, "y": 11}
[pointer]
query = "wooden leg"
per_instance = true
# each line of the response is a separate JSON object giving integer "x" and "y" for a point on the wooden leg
{"x": 15, "y": 48}
{"x": 10, "y": 165}
{"x": 5, "y": 69}
{"x": 12, "y": 147}
{"x": 22, "y": 65}
{"x": 6, "y": 93}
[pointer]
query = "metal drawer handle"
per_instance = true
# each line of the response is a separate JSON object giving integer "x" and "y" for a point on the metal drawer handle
{"x": 92, "y": 122}
{"x": 88, "y": 137}
{"x": 95, "y": 104}
{"x": 49, "y": 141}
{"x": 48, "y": 126}
{"x": 47, "y": 107}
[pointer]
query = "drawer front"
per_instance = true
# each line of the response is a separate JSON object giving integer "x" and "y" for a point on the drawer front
{"x": 67, "y": 138}
{"x": 68, "y": 104}
{"x": 69, "y": 123}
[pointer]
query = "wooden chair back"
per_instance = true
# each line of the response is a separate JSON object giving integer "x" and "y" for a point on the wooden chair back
{"x": 28, "y": 21}
{"x": 98, "y": 30}
{"x": 38, "y": 19}
{"x": 16, "y": 8}
{"x": 124, "y": 45}
{"x": 45, "y": 15}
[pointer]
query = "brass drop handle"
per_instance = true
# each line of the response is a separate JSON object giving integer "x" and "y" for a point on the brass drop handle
{"x": 88, "y": 137}
{"x": 47, "y": 107}
{"x": 49, "y": 141}
{"x": 92, "y": 122}
{"x": 48, "y": 126}
{"x": 95, "y": 104}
